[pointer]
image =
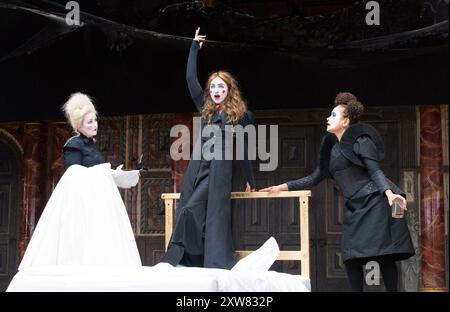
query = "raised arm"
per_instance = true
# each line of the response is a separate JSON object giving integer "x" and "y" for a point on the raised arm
{"x": 194, "y": 86}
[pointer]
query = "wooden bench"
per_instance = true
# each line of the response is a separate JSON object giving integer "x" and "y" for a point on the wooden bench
{"x": 300, "y": 255}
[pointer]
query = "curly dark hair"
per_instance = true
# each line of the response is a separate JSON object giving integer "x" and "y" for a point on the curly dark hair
{"x": 353, "y": 108}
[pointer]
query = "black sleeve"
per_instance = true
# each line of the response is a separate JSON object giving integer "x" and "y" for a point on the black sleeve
{"x": 72, "y": 156}
{"x": 72, "y": 152}
{"x": 366, "y": 150}
{"x": 191, "y": 76}
{"x": 306, "y": 182}
{"x": 246, "y": 163}
{"x": 246, "y": 166}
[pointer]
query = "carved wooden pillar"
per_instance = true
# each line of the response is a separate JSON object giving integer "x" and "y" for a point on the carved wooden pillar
{"x": 156, "y": 150}
{"x": 432, "y": 200}
{"x": 179, "y": 167}
{"x": 131, "y": 154}
{"x": 33, "y": 193}
{"x": 59, "y": 133}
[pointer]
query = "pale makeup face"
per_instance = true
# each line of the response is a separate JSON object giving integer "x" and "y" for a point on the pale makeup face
{"x": 336, "y": 122}
{"x": 89, "y": 125}
{"x": 218, "y": 90}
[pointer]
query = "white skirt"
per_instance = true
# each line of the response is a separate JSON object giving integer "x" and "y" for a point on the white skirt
{"x": 85, "y": 223}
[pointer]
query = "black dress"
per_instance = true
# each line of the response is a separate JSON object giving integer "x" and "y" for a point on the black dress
{"x": 81, "y": 150}
{"x": 369, "y": 229}
{"x": 202, "y": 232}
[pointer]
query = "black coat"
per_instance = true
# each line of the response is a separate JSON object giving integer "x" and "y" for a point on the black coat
{"x": 80, "y": 150}
{"x": 202, "y": 232}
{"x": 368, "y": 229}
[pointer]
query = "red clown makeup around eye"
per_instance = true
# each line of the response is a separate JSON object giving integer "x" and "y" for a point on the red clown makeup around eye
{"x": 210, "y": 91}
{"x": 223, "y": 91}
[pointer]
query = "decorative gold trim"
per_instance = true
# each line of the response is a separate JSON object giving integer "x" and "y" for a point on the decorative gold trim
{"x": 433, "y": 289}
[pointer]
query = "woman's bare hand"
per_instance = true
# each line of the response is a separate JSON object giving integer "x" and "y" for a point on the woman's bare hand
{"x": 199, "y": 38}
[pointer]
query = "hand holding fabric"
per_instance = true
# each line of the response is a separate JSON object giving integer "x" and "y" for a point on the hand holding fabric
{"x": 125, "y": 179}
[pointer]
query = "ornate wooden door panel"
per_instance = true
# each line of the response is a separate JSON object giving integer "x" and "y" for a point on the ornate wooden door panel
{"x": 9, "y": 188}
{"x": 255, "y": 221}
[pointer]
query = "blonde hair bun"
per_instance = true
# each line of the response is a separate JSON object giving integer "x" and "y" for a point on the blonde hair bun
{"x": 76, "y": 107}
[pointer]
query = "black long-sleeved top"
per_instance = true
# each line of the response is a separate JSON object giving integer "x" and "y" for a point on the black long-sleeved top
{"x": 191, "y": 77}
{"x": 338, "y": 162}
{"x": 198, "y": 96}
{"x": 80, "y": 150}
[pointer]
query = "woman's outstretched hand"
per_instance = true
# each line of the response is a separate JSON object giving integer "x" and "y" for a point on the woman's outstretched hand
{"x": 199, "y": 38}
{"x": 249, "y": 188}
{"x": 275, "y": 188}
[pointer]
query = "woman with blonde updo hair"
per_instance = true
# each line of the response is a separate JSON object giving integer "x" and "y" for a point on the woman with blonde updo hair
{"x": 85, "y": 222}
{"x": 76, "y": 108}
{"x": 350, "y": 154}
{"x": 82, "y": 116}
{"x": 202, "y": 232}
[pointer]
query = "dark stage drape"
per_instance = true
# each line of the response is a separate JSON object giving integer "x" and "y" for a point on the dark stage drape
{"x": 130, "y": 70}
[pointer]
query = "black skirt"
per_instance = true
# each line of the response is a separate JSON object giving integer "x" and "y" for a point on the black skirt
{"x": 369, "y": 230}
{"x": 202, "y": 233}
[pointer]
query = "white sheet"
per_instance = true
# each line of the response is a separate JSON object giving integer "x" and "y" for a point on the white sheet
{"x": 159, "y": 278}
{"x": 260, "y": 259}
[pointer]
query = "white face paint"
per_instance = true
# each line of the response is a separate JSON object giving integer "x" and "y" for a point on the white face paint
{"x": 336, "y": 122}
{"x": 218, "y": 90}
{"x": 89, "y": 125}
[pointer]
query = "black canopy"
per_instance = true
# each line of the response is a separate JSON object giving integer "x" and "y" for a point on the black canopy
{"x": 294, "y": 62}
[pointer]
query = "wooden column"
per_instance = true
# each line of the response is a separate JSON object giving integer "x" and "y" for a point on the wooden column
{"x": 179, "y": 167}
{"x": 432, "y": 200}
{"x": 33, "y": 192}
{"x": 59, "y": 133}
